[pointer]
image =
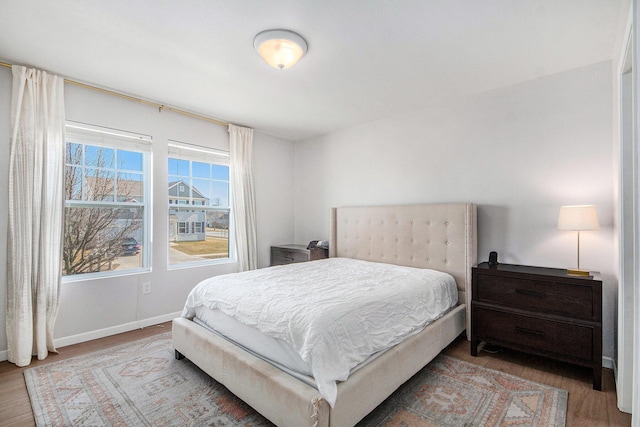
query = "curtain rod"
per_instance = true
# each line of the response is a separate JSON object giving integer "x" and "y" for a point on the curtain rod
{"x": 160, "y": 107}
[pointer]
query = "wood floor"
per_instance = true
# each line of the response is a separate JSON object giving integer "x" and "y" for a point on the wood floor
{"x": 586, "y": 407}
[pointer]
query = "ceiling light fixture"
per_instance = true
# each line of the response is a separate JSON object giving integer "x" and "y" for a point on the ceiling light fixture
{"x": 280, "y": 48}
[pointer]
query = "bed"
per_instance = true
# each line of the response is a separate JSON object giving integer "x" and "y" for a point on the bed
{"x": 440, "y": 237}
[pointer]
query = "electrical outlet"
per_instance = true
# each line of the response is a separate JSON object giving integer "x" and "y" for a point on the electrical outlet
{"x": 146, "y": 287}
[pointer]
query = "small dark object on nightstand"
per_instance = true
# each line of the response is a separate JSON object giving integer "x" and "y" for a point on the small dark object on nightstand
{"x": 493, "y": 258}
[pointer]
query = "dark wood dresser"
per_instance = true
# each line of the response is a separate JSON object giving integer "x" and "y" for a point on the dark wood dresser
{"x": 287, "y": 254}
{"x": 539, "y": 310}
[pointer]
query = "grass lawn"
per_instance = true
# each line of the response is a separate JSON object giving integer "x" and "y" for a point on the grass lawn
{"x": 211, "y": 245}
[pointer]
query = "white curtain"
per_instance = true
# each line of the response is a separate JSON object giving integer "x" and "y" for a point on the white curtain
{"x": 243, "y": 194}
{"x": 36, "y": 206}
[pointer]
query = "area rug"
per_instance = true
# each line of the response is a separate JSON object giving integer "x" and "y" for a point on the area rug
{"x": 142, "y": 384}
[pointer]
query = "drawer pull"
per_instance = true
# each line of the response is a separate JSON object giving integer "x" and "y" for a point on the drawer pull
{"x": 531, "y": 293}
{"x": 529, "y": 331}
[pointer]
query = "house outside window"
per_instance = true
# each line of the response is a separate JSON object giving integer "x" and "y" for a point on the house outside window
{"x": 198, "y": 220}
{"x": 107, "y": 207}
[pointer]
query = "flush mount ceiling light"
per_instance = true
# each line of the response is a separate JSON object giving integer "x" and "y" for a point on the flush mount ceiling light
{"x": 280, "y": 48}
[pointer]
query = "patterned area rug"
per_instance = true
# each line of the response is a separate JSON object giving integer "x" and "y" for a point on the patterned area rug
{"x": 451, "y": 392}
{"x": 141, "y": 383}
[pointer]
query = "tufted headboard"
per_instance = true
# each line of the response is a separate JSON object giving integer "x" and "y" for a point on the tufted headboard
{"x": 436, "y": 236}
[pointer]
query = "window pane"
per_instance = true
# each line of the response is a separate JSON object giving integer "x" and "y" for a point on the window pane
{"x": 220, "y": 194}
{"x": 178, "y": 167}
{"x": 201, "y": 170}
{"x": 73, "y": 183}
{"x": 99, "y": 185}
{"x": 129, "y": 160}
{"x": 221, "y": 172}
{"x": 74, "y": 154}
{"x": 130, "y": 187}
{"x": 179, "y": 191}
{"x": 99, "y": 157}
{"x": 173, "y": 189}
{"x": 99, "y": 239}
{"x": 201, "y": 191}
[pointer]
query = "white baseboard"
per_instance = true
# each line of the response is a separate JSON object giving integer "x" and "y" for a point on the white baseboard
{"x": 608, "y": 362}
{"x": 615, "y": 368}
{"x": 101, "y": 333}
{"x": 621, "y": 406}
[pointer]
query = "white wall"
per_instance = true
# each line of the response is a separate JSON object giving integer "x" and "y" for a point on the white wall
{"x": 273, "y": 170}
{"x": 104, "y": 306}
{"x": 519, "y": 153}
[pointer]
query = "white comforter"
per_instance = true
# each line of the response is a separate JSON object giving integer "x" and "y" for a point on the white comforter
{"x": 334, "y": 312}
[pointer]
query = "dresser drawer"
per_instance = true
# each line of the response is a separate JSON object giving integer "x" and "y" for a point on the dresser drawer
{"x": 280, "y": 257}
{"x": 318, "y": 253}
{"x": 574, "y": 341}
{"x": 547, "y": 296}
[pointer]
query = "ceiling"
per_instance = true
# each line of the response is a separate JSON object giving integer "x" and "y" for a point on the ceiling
{"x": 367, "y": 59}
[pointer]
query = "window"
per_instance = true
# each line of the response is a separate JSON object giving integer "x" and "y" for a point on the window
{"x": 106, "y": 201}
{"x": 199, "y": 209}
{"x": 183, "y": 228}
{"x": 197, "y": 227}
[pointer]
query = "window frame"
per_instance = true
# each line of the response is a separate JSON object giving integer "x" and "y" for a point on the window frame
{"x": 197, "y": 227}
{"x": 183, "y": 227}
{"x": 97, "y": 136}
{"x": 196, "y": 153}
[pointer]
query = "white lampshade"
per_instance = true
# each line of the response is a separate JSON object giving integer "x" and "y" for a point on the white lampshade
{"x": 578, "y": 218}
{"x": 280, "y": 48}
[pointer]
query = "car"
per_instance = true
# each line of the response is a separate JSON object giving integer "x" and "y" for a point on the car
{"x": 130, "y": 246}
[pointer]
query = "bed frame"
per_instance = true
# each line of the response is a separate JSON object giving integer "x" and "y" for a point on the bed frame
{"x": 436, "y": 236}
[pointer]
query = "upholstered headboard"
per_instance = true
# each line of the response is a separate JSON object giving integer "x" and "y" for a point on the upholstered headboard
{"x": 437, "y": 236}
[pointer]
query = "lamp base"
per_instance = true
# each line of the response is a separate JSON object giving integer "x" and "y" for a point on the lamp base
{"x": 577, "y": 272}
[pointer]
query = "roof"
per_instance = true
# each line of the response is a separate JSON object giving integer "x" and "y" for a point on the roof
{"x": 181, "y": 189}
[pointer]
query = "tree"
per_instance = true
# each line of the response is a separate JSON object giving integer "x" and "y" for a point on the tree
{"x": 95, "y": 225}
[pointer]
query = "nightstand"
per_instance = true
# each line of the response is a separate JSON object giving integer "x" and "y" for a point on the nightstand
{"x": 287, "y": 254}
{"x": 539, "y": 310}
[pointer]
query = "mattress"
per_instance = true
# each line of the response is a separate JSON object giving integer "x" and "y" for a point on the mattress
{"x": 272, "y": 350}
{"x": 334, "y": 313}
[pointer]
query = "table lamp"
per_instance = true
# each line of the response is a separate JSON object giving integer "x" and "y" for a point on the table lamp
{"x": 578, "y": 218}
